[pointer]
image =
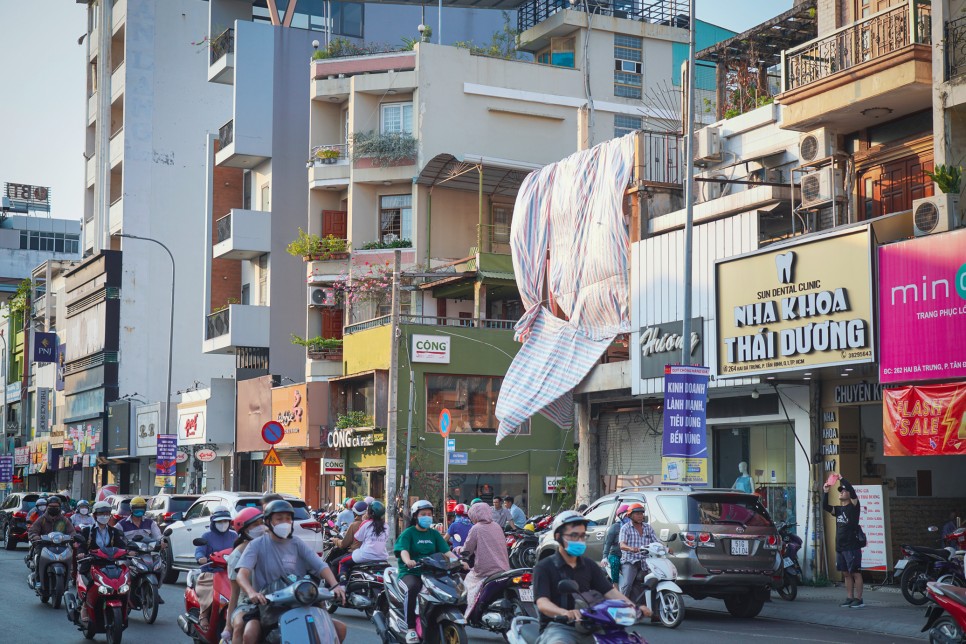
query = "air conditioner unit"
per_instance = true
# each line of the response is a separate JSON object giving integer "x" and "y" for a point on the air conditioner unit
{"x": 707, "y": 145}
{"x": 936, "y": 214}
{"x": 815, "y": 145}
{"x": 819, "y": 188}
{"x": 628, "y": 66}
{"x": 321, "y": 296}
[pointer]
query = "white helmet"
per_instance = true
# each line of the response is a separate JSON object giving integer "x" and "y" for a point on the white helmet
{"x": 421, "y": 504}
{"x": 101, "y": 506}
{"x": 566, "y": 518}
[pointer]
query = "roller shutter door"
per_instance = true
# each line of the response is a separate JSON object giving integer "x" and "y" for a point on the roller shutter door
{"x": 631, "y": 444}
{"x": 288, "y": 476}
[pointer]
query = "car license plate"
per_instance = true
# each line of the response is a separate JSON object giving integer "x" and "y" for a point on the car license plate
{"x": 526, "y": 594}
{"x": 739, "y": 547}
{"x": 789, "y": 563}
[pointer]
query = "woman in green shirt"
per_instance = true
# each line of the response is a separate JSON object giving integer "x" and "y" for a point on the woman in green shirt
{"x": 416, "y": 542}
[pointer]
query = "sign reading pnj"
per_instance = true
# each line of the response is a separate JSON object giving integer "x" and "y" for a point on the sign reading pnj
{"x": 431, "y": 348}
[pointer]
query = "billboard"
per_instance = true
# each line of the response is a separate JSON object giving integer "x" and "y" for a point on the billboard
{"x": 929, "y": 420}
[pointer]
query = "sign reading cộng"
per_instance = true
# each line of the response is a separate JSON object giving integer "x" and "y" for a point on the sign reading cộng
{"x": 431, "y": 348}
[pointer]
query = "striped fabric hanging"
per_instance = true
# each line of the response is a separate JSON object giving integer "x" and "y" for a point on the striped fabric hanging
{"x": 574, "y": 209}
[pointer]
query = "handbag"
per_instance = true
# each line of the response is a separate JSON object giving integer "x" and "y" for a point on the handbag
{"x": 860, "y": 537}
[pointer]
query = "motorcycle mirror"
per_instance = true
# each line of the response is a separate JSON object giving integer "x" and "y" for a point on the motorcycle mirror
{"x": 167, "y": 532}
{"x": 673, "y": 537}
{"x": 568, "y": 586}
{"x": 932, "y": 528}
{"x": 200, "y": 541}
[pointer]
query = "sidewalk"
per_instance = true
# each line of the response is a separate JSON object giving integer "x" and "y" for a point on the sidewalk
{"x": 885, "y": 611}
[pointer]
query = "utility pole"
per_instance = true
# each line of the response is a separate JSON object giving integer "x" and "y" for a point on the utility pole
{"x": 689, "y": 194}
{"x": 393, "y": 407}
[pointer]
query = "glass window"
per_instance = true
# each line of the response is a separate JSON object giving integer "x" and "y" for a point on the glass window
{"x": 602, "y": 512}
{"x": 624, "y": 124}
{"x": 628, "y": 57}
{"x": 396, "y": 216}
{"x": 560, "y": 53}
{"x": 360, "y": 396}
{"x": 396, "y": 118}
{"x": 675, "y": 508}
{"x": 178, "y": 503}
{"x": 195, "y": 511}
{"x": 301, "y": 512}
{"x": 710, "y": 509}
{"x": 470, "y": 399}
{"x": 348, "y": 19}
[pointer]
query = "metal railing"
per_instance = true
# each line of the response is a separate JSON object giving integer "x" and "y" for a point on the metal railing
{"x": 955, "y": 38}
{"x": 223, "y": 229}
{"x": 663, "y": 12}
{"x": 367, "y": 324}
{"x": 432, "y": 320}
{"x": 318, "y": 153}
{"x": 663, "y": 153}
{"x": 218, "y": 324}
{"x": 495, "y": 238}
{"x": 885, "y": 32}
{"x": 221, "y": 45}
{"x": 226, "y": 134}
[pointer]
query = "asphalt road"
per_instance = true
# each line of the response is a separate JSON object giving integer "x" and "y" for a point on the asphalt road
{"x": 24, "y": 620}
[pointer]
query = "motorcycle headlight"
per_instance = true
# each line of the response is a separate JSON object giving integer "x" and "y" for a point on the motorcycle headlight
{"x": 124, "y": 589}
{"x": 623, "y": 616}
{"x": 307, "y": 593}
{"x": 104, "y": 590}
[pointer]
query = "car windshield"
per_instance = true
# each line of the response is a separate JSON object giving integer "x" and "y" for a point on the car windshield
{"x": 728, "y": 509}
{"x": 301, "y": 513}
{"x": 180, "y": 503}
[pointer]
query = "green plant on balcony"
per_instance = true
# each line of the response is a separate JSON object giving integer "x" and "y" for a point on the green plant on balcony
{"x": 389, "y": 241}
{"x": 318, "y": 343}
{"x": 20, "y": 302}
{"x": 385, "y": 149}
{"x": 353, "y": 419}
{"x": 948, "y": 178}
{"x": 228, "y": 302}
{"x": 503, "y": 43}
{"x": 311, "y": 247}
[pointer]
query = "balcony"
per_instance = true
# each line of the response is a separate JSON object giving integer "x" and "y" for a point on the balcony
{"x": 495, "y": 238}
{"x": 118, "y": 14}
{"x": 243, "y": 234}
{"x": 235, "y": 152}
{"x": 117, "y": 147}
{"x": 431, "y": 320}
{"x": 363, "y": 62}
{"x": 117, "y": 82}
{"x": 663, "y": 12}
{"x": 326, "y": 271}
{"x": 329, "y": 166}
{"x": 116, "y": 215}
{"x": 221, "y": 59}
{"x": 235, "y": 327}
{"x": 883, "y": 62}
{"x": 44, "y": 305}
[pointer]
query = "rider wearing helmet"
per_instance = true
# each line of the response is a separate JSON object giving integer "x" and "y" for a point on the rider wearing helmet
{"x": 359, "y": 509}
{"x": 416, "y": 542}
{"x": 368, "y": 542}
{"x": 570, "y": 532}
{"x": 249, "y": 525}
{"x": 52, "y": 520}
{"x": 612, "y": 550}
{"x": 218, "y": 537}
{"x": 346, "y": 516}
{"x": 276, "y": 555}
{"x": 635, "y": 535}
{"x": 137, "y": 524}
{"x": 460, "y": 527}
{"x": 82, "y": 515}
{"x": 40, "y": 507}
{"x": 95, "y": 537}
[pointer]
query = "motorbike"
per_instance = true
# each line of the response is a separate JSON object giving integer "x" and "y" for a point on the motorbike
{"x": 922, "y": 565}
{"x": 655, "y": 587}
{"x": 503, "y": 597}
{"x": 190, "y": 620}
{"x": 606, "y": 619}
{"x": 50, "y": 567}
{"x": 439, "y": 607}
{"x": 946, "y": 617}
{"x": 362, "y": 587}
{"x": 105, "y": 599}
{"x": 146, "y": 568}
{"x": 293, "y": 609}
{"x": 791, "y": 570}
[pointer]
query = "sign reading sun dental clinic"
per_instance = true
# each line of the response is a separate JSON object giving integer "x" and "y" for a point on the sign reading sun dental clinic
{"x": 796, "y": 308}
{"x": 431, "y": 348}
{"x": 922, "y": 308}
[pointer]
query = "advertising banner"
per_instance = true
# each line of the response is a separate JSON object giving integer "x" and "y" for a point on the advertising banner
{"x": 875, "y": 556}
{"x": 167, "y": 464}
{"x": 684, "y": 456}
{"x": 21, "y": 456}
{"x": 6, "y": 469}
{"x": 43, "y": 410}
{"x": 796, "y": 308}
{"x": 45, "y": 347}
{"x": 924, "y": 421}
{"x": 922, "y": 308}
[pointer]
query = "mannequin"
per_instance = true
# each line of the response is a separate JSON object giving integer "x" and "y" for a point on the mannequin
{"x": 743, "y": 483}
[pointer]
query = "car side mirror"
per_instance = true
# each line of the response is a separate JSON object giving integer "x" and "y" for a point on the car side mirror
{"x": 167, "y": 532}
{"x": 568, "y": 587}
{"x": 200, "y": 541}
{"x": 177, "y": 516}
{"x": 673, "y": 537}
{"x": 932, "y": 528}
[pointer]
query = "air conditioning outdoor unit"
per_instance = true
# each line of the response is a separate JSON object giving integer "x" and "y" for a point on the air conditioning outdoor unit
{"x": 707, "y": 145}
{"x": 821, "y": 187}
{"x": 936, "y": 214}
{"x": 320, "y": 296}
{"x": 815, "y": 145}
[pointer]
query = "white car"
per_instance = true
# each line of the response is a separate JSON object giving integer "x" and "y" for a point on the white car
{"x": 196, "y": 520}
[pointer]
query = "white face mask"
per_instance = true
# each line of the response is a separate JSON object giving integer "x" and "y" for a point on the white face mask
{"x": 257, "y": 531}
{"x": 103, "y": 518}
{"x": 84, "y": 511}
{"x": 282, "y": 530}
{"x": 222, "y": 526}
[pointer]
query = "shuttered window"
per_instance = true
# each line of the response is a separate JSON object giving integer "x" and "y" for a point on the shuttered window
{"x": 632, "y": 443}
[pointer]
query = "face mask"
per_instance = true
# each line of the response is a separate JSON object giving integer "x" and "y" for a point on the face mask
{"x": 425, "y": 522}
{"x": 257, "y": 531}
{"x": 138, "y": 513}
{"x": 53, "y": 511}
{"x": 103, "y": 518}
{"x": 576, "y": 548}
{"x": 84, "y": 511}
{"x": 282, "y": 530}
{"x": 221, "y": 526}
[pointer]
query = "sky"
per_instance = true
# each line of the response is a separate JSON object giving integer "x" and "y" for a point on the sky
{"x": 43, "y": 99}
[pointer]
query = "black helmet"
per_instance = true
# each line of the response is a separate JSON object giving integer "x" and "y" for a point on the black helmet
{"x": 276, "y": 507}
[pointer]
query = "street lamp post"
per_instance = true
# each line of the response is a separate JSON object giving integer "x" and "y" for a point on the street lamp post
{"x": 167, "y": 394}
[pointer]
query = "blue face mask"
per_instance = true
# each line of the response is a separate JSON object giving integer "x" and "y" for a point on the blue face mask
{"x": 138, "y": 513}
{"x": 425, "y": 522}
{"x": 576, "y": 548}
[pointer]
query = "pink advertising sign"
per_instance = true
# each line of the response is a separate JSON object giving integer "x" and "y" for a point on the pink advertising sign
{"x": 922, "y": 308}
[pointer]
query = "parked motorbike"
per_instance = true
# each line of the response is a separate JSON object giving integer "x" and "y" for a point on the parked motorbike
{"x": 791, "y": 570}
{"x": 607, "y": 620}
{"x": 503, "y": 597}
{"x": 105, "y": 599}
{"x": 440, "y": 604}
{"x": 362, "y": 587}
{"x": 655, "y": 587}
{"x": 190, "y": 620}
{"x": 292, "y": 608}
{"x": 523, "y": 552}
{"x": 946, "y": 617}
{"x": 146, "y": 568}
{"x": 922, "y": 565}
{"x": 50, "y": 567}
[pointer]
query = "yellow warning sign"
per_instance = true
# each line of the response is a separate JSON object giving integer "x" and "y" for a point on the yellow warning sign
{"x": 272, "y": 459}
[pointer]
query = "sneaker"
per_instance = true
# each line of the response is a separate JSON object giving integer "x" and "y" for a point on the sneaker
{"x": 847, "y": 603}
{"x": 412, "y": 637}
{"x": 857, "y": 603}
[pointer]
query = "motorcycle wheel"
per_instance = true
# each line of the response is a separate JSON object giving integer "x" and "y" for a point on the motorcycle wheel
{"x": 913, "y": 584}
{"x": 149, "y": 602}
{"x": 113, "y": 625}
{"x": 89, "y": 631}
{"x": 789, "y": 588}
{"x": 58, "y": 596}
{"x": 946, "y": 630}
{"x": 450, "y": 633}
{"x": 670, "y": 608}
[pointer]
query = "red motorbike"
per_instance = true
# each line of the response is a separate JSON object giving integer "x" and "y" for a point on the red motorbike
{"x": 105, "y": 599}
{"x": 190, "y": 620}
{"x": 946, "y": 616}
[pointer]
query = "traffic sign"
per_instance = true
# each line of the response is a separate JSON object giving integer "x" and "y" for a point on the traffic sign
{"x": 337, "y": 483}
{"x": 445, "y": 420}
{"x": 450, "y": 444}
{"x": 273, "y": 432}
{"x": 272, "y": 459}
{"x": 459, "y": 458}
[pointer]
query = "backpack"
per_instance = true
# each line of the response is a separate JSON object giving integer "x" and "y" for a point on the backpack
{"x": 860, "y": 537}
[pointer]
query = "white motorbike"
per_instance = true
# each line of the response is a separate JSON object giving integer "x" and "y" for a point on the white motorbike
{"x": 655, "y": 587}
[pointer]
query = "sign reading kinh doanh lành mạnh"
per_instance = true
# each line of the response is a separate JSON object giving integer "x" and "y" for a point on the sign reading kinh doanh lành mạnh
{"x": 684, "y": 452}
{"x": 798, "y": 307}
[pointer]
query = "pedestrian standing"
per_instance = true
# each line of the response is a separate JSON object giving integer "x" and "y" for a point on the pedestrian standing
{"x": 848, "y": 549}
{"x": 500, "y": 514}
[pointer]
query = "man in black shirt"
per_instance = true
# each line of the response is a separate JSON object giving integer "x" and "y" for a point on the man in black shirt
{"x": 848, "y": 558}
{"x": 570, "y": 532}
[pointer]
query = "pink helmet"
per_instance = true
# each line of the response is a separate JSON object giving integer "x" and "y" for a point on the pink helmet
{"x": 245, "y": 518}
{"x": 621, "y": 510}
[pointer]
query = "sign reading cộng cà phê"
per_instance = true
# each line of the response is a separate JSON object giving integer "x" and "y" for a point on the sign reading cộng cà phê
{"x": 684, "y": 453}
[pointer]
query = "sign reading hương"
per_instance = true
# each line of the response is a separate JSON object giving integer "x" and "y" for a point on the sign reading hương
{"x": 684, "y": 453}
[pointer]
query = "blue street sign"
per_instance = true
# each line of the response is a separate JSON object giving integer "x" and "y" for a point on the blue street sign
{"x": 459, "y": 458}
{"x": 450, "y": 444}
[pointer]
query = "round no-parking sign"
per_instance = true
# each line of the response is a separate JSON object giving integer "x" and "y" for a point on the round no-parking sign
{"x": 273, "y": 432}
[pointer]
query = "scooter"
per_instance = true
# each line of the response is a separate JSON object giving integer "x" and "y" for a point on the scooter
{"x": 791, "y": 570}
{"x": 922, "y": 565}
{"x": 362, "y": 587}
{"x": 190, "y": 620}
{"x": 439, "y": 607}
{"x": 293, "y": 609}
{"x": 503, "y": 597}
{"x": 946, "y": 617}
{"x": 657, "y": 587}
{"x": 606, "y": 619}
{"x": 106, "y": 599}
{"x": 51, "y": 567}
{"x": 146, "y": 566}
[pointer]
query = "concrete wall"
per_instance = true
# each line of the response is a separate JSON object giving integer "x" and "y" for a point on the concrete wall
{"x": 255, "y": 67}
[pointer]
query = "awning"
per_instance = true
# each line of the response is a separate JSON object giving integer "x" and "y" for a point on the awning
{"x": 763, "y": 44}
{"x": 500, "y": 176}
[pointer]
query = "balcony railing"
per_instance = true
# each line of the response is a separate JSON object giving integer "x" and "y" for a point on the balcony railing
{"x": 223, "y": 229}
{"x": 664, "y": 12}
{"x": 496, "y": 239}
{"x": 663, "y": 154}
{"x": 884, "y": 33}
{"x": 955, "y": 47}
{"x": 222, "y": 45}
{"x": 226, "y": 134}
{"x": 218, "y": 324}
{"x": 432, "y": 320}
{"x": 323, "y": 153}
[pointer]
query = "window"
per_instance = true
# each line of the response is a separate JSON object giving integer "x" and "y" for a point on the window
{"x": 49, "y": 241}
{"x": 301, "y": 512}
{"x": 675, "y": 508}
{"x": 601, "y": 513}
{"x": 710, "y": 509}
{"x": 348, "y": 19}
{"x": 361, "y": 396}
{"x": 397, "y": 118}
{"x": 247, "y": 189}
{"x": 624, "y": 124}
{"x": 628, "y": 66}
{"x": 560, "y": 53}
{"x": 396, "y": 216}
{"x": 470, "y": 399}
{"x": 195, "y": 511}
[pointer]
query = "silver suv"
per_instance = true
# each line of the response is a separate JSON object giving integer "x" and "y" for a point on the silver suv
{"x": 722, "y": 542}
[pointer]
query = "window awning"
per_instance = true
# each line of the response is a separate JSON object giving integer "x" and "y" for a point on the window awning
{"x": 500, "y": 176}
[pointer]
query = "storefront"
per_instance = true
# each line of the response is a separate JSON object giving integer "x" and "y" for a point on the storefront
{"x": 356, "y": 434}
{"x": 205, "y": 437}
{"x": 302, "y": 410}
{"x": 147, "y": 426}
{"x": 82, "y": 444}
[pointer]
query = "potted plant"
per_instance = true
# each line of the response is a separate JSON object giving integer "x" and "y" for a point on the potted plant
{"x": 311, "y": 247}
{"x": 320, "y": 348}
{"x": 948, "y": 180}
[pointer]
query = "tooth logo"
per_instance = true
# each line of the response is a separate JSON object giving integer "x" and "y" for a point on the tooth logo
{"x": 785, "y": 262}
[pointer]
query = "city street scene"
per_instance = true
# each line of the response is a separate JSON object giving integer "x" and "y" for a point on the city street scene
{"x": 526, "y": 321}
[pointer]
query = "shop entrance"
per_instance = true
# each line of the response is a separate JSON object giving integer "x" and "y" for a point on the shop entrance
{"x": 731, "y": 446}
{"x": 769, "y": 452}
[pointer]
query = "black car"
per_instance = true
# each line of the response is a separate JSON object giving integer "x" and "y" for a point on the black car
{"x": 13, "y": 518}
{"x": 162, "y": 506}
